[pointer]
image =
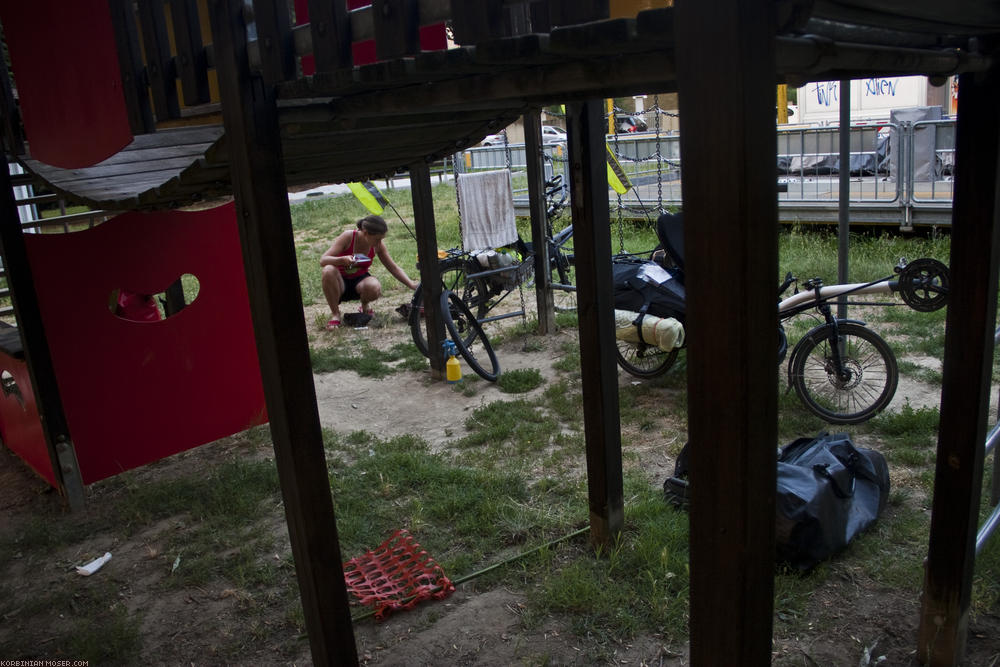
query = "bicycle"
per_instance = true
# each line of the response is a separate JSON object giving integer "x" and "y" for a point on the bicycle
{"x": 470, "y": 290}
{"x": 841, "y": 370}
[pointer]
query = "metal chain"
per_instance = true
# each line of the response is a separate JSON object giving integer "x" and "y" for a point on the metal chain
{"x": 506, "y": 148}
{"x": 620, "y": 207}
{"x": 458, "y": 202}
{"x": 659, "y": 159}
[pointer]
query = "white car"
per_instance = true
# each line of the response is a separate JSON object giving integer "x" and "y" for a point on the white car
{"x": 494, "y": 139}
{"x": 552, "y": 134}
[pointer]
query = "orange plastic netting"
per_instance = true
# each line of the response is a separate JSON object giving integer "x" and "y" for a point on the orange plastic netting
{"x": 396, "y": 575}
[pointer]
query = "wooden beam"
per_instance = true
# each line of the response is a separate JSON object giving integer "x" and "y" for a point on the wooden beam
{"x": 251, "y": 120}
{"x": 397, "y": 28}
{"x": 430, "y": 276}
{"x": 160, "y": 73}
{"x": 55, "y": 430}
{"x": 274, "y": 40}
{"x": 474, "y": 22}
{"x": 330, "y": 28}
{"x": 133, "y": 71}
{"x": 731, "y": 246}
{"x": 190, "y": 62}
{"x": 539, "y": 231}
{"x": 965, "y": 384}
{"x": 595, "y": 310}
{"x": 577, "y": 11}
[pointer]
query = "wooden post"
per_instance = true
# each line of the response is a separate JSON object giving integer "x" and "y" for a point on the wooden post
{"x": 430, "y": 276}
{"x": 539, "y": 232}
{"x": 965, "y": 384}
{"x": 159, "y": 62}
{"x": 192, "y": 66}
{"x": 479, "y": 21}
{"x": 595, "y": 310}
{"x": 274, "y": 40}
{"x": 250, "y": 114}
{"x": 331, "y": 35}
{"x": 62, "y": 454}
{"x": 728, "y": 154}
{"x": 397, "y": 28}
{"x": 133, "y": 70}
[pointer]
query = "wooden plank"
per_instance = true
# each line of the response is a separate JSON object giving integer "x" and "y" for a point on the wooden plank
{"x": 531, "y": 85}
{"x": 190, "y": 62}
{"x": 251, "y": 121}
{"x": 133, "y": 70}
{"x": 397, "y": 28}
{"x": 430, "y": 276}
{"x": 18, "y": 273}
{"x": 732, "y": 253}
{"x": 160, "y": 73}
{"x": 474, "y": 22}
{"x": 391, "y": 138}
{"x": 595, "y": 310}
{"x": 526, "y": 48}
{"x": 616, "y": 34}
{"x": 274, "y": 40}
{"x": 330, "y": 28}
{"x": 577, "y": 11}
{"x": 539, "y": 236}
{"x": 965, "y": 384}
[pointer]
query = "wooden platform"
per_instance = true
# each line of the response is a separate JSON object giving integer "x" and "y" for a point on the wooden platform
{"x": 373, "y": 120}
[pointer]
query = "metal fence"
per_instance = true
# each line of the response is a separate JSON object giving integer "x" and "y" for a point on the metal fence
{"x": 900, "y": 174}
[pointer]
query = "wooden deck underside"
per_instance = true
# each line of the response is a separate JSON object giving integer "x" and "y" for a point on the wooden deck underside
{"x": 376, "y": 119}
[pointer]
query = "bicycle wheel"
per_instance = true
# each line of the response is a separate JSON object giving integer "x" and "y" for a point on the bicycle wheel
{"x": 468, "y": 334}
{"x": 644, "y": 361}
{"x": 453, "y": 279}
{"x": 869, "y": 374}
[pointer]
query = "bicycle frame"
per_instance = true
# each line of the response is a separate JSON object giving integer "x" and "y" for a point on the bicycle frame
{"x": 813, "y": 298}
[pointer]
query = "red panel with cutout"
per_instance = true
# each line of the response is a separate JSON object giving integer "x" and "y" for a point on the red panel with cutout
{"x": 68, "y": 79}
{"x": 135, "y": 392}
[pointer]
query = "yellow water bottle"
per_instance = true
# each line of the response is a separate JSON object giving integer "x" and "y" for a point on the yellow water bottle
{"x": 453, "y": 371}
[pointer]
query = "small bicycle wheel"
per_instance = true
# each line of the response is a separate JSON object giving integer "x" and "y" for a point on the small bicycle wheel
{"x": 866, "y": 383}
{"x": 644, "y": 361}
{"x": 468, "y": 335}
{"x": 452, "y": 279}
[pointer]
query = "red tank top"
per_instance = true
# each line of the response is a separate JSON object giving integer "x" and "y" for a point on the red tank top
{"x": 350, "y": 251}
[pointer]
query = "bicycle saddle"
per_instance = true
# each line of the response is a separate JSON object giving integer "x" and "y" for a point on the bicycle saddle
{"x": 670, "y": 231}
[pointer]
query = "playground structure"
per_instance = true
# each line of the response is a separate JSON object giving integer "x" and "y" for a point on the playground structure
{"x": 339, "y": 95}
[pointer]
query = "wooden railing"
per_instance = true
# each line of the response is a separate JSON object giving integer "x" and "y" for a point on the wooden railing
{"x": 167, "y": 60}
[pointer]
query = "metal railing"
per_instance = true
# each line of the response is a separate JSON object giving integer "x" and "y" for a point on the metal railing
{"x": 901, "y": 174}
{"x": 989, "y": 526}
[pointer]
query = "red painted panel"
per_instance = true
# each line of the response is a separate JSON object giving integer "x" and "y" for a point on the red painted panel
{"x": 432, "y": 37}
{"x": 20, "y": 426}
{"x": 135, "y": 392}
{"x": 68, "y": 80}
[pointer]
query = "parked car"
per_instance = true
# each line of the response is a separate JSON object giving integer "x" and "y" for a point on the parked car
{"x": 552, "y": 134}
{"x": 495, "y": 139}
{"x": 628, "y": 123}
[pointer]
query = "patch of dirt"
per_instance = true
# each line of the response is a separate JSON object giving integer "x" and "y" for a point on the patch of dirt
{"x": 472, "y": 627}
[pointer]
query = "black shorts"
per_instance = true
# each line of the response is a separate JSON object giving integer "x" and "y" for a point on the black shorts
{"x": 351, "y": 287}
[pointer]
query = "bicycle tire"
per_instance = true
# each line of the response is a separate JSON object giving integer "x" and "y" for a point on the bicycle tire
{"x": 450, "y": 301}
{"x": 644, "y": 361}
{"x": 453, "y": 278}
{"x": 872, "y": 374}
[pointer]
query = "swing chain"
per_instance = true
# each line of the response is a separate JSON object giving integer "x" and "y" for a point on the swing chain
{"x": 659, "y": 159}
{"x": 617, "y": 152}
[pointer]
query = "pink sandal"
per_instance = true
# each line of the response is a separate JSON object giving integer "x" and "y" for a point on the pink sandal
{"x": 370, "y": 311}
{"x": 333, "y": 324}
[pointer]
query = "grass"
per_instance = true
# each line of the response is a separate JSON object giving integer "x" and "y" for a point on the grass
{"x": 510, "y": 481}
